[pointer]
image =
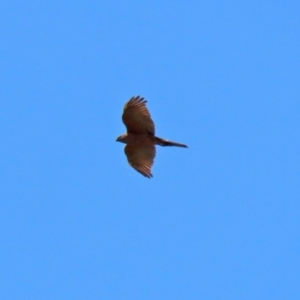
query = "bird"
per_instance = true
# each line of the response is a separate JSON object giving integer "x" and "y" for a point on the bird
{"x": 140, "y": 138}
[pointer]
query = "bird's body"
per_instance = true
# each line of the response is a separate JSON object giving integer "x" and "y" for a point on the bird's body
{"x": 140, "y": 138}
{"x": 134, "y": 138}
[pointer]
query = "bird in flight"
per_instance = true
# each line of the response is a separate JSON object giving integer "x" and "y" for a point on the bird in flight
{"x": 140, "y": 138}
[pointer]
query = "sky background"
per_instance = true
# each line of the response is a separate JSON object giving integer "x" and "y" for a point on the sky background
{"x": 219, "y": 220}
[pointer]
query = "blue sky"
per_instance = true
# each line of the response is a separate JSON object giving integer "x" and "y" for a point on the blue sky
{"x": 219, "y": 220}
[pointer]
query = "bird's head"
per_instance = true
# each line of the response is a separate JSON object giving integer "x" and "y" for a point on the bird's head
{"x": 122, "y": 138}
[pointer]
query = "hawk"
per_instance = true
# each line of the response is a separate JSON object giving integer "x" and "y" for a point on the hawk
{"x": 140, "y": 138}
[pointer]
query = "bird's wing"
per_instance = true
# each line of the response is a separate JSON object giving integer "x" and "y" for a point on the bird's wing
{"x": 136, "y": 116}
{"x": 141, "y": 157}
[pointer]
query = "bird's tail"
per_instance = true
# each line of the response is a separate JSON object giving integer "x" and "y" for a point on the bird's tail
{"x": 163, "y": 142}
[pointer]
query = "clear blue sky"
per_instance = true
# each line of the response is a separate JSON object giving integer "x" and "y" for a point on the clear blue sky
{"x": 219, "y": 220}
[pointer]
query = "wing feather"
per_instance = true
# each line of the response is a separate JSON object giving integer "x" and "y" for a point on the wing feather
{"x": 141, "y": 158}
{"x": 136, "y": 116}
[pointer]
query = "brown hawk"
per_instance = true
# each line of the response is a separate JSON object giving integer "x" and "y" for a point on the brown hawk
{"x": 140, "y": 137}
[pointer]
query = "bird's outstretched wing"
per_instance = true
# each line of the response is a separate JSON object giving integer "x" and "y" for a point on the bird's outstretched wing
{"x": 141, "y": 157}
{"x": 136, "y": 116}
